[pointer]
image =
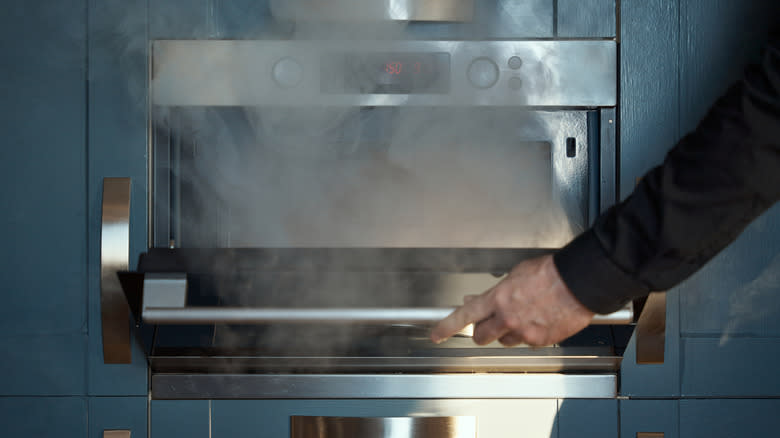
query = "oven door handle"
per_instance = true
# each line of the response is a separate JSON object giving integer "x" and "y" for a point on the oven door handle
{"x": 329, "y": 315}
{"x": 114, "y": 256}
{"x": 164, "y": 301}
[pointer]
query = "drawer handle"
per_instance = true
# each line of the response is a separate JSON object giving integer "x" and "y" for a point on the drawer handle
{"x": 114, "y": 255}
{"x": 383, "y": 427}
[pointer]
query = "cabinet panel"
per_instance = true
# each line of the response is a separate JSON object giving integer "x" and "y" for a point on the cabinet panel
{"x": 181, "y": 19}
{"x": 649, "y": 86}
{"x": 737, "y": 367}
{"x": 587, "y": 418}
{"x": 734, "y": 294}
{"x": 650, "y": 416}
{"x": 117, "y": 413}
{"x": 44, "y": 417}
{"x": 729, "y": 418}
{"x": 117, "y": 148}
{"x": 42, "y": 167}
{"x": 43, "y": 365}
{"x": 180, "y": 418}
{"x": 586, "y": 18}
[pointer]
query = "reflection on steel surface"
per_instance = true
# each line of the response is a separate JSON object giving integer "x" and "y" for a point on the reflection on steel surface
{"x": 235, "y": 73}
{"x": 373, "y": 10}
{"x": 383, "y": 427}
{"x": 244, "y": 315}
{"x": 431, "y": 361}
{"x": 383, "y": 386}
{"x": 114, "y": 254}
{"x": 651, "y": 330}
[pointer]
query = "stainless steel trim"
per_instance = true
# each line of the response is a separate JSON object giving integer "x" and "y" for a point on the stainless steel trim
{"x": 116, "y": 434}
{"x": 373, "y": 10}
{"x": 608, "y": 156}
{"x": 384, "y": 386}
{"x": 243, "y": 315}
{"x": 383, "y": 427}
{"x": 478, "y": 363}
{"x": 165, "y": 290}
{"x": 568, "y": 73}
{"x": 651, "y": 330}
{"x": 114, "y": 255}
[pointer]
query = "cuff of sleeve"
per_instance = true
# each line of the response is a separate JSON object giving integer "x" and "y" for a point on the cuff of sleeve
{"x": 593, "y": 278}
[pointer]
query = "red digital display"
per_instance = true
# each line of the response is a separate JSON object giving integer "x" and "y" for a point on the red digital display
{"x": 394, "y": 68}
{"x": 397, "y": 67}
{"x": 386, "y": 73}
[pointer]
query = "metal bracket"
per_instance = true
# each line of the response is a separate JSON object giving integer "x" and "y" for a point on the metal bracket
{"x": 651, "y": 330}
{"x": 114, "y": 256}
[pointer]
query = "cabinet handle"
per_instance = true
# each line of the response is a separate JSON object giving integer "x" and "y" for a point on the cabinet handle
{"x": 381, "y": 427}
{"x": 114, "y": 255}
{"x": 651, "y": 330}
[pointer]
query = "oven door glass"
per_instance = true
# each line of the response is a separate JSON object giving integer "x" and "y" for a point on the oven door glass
{"x": 374, "y": 177}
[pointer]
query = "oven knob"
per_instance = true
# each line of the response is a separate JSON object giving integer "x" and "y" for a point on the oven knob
{"x": 483, "y": 73}
{"x": 287, "y": 73}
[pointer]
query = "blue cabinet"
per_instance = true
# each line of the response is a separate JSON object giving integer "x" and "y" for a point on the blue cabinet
{"x": 43, "y": 417}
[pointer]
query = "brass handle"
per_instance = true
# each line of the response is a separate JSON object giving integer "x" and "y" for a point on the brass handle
{"x": 378, "y": 427}
{"x": 116, "y": 434}
{"x": 114, "y": 255}
{"x": 651, "y": 330}
{"x": 649, "y": 435}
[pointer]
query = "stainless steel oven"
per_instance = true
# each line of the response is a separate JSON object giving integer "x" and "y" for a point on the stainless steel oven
{"x": 317, "y": 202}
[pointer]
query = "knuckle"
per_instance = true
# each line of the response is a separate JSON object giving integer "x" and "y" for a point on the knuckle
{"x": 535, "y": 337}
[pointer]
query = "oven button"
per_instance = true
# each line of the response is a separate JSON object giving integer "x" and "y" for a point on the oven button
{"x": 515, "y": 62}
{"x": 515, "y": 83}
{"x": 483, "y": 73}
{"x": 287, "y": 73}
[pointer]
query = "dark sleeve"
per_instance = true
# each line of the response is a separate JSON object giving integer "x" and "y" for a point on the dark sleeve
{"x": 712, "y": 184}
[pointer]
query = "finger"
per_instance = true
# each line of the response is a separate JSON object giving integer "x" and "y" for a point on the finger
{"x": 488, "y": 330}
{"x": 475, "y": 310}
{"x": 510, "y": 340}
{"x": 468, "y": 298}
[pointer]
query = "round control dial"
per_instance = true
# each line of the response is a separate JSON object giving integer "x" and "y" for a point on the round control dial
{"x": 287, "y": 73}
{"x": 483, "y": 73}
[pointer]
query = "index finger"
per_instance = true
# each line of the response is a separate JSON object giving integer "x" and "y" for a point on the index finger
{"x": 474, "y": 310}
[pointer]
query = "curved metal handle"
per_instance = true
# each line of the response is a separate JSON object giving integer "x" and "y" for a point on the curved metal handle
{"x": 114, "y": 255}
{"x": 155, "y": 314}
{"x": 382, "y": 427}
{"x": 651, "y": 330}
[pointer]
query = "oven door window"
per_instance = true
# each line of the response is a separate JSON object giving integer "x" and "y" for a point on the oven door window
{"x": 229, "y": 177}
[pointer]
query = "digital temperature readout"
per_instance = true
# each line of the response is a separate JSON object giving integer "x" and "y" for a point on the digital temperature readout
{"x": 397, "y": 67}
{"x": 386, "y": 73}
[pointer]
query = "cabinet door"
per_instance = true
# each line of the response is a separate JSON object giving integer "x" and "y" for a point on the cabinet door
{"x": 43, "y": 417}
{"x": 117, "y": 413}
{"x": 729, "y": 418}
{"x": 181, "y": 418}
{"x": 649, "y": 417}
{"x": 587, "y": 418}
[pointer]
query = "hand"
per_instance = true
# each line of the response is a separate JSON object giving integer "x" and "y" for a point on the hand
{"x": 532, "y": 305}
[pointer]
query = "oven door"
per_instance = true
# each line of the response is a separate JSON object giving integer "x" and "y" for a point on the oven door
{"x": 315, "y": 218}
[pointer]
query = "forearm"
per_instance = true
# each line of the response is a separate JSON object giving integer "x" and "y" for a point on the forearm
{"x": 711, "y": 185}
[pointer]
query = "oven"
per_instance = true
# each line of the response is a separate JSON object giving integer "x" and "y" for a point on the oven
{"x": 317, "y": 201}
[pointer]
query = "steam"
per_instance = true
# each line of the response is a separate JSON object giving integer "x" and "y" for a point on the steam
{"x": 274, "y": 176}
{"x": 754, "y": 302}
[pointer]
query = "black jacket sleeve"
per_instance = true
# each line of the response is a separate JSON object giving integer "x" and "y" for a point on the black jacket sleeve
{"x": 712, "y": 184}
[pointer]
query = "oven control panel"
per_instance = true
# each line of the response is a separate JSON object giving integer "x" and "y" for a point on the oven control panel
{"x": 385, "y": 73}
